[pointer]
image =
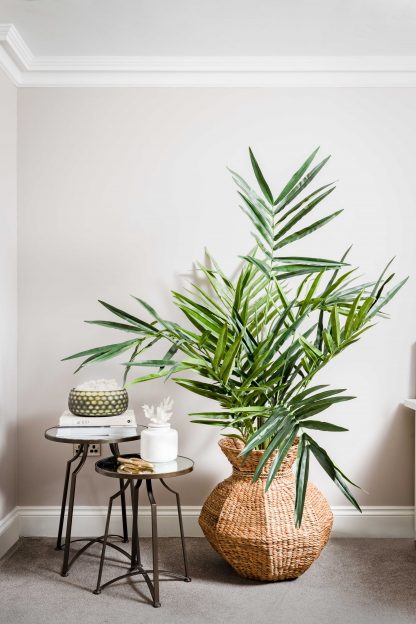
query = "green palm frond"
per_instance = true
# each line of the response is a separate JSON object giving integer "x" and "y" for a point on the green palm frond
{"x": 255, "y": 343}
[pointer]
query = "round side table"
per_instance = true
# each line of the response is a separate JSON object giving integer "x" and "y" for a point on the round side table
{"x": 108, "y": 468}
{"x": 67, "y": 436}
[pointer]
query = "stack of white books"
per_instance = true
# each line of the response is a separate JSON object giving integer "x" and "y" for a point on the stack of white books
{"x": 86, "y": 427}
{"x": 128, "y": 419}
{"x": 94, "y": 433}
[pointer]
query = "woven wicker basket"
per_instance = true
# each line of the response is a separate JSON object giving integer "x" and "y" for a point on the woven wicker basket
{"x": 255, "y": 530}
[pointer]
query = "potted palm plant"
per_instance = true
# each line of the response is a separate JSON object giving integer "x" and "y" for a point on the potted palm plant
{"x": 254, "y": 345}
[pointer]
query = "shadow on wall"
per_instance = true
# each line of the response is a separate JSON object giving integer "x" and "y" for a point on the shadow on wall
{"x": 8, "y": 468}
{"x": 43, "y": 483}
{"x": 391, "y": 455}
{"x": 412, "y": 380}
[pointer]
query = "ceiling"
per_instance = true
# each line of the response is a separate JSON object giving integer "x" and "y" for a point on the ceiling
{"x": 214, "y": 27}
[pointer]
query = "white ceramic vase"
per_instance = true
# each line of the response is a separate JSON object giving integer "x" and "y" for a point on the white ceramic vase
{"x": 159, "y": 443}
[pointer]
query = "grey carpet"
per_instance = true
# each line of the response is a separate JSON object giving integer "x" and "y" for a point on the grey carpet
{"x": 354, "y": 581}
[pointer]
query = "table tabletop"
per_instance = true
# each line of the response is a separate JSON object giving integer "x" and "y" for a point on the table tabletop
{"x": 71, "y": 435}
{"x": 162, "y": 470}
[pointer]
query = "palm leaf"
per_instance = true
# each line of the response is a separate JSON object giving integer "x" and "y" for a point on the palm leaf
{"x": 332, "y": 471}
{"x": 296, "y": 177}
{"x": 306, "y": 231}
{"x": 129, "y": 317}
{"x": 260, "y": 178}
{"x": 302, "y": 474}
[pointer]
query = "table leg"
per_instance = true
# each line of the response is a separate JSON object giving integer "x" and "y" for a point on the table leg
{"x": 135, "y": 538}
{"x": 64, "y": 497}
{"x": 71, "y": 508}
{"x": 116, "y": 452}
{"x": 136, "y": 566}
{"x": 153, "y": 507}
{"x": 178, "y": 505}
{"x": 105, "y": 538}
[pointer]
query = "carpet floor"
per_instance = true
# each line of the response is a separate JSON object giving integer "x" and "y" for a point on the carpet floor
{"x": 356, "y": 581}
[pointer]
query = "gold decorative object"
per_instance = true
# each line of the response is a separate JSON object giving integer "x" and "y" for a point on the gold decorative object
{"x": 133, "y": 465}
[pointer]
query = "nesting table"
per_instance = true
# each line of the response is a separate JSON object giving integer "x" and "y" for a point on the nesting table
{"x": 108, "y": 468}
{"x": 58, "y": 434}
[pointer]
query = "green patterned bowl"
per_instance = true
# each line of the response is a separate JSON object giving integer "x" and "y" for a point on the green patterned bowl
{"x": 98, "y": 402}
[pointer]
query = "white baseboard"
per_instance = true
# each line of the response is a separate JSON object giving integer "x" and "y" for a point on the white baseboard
{"x": 9, "y": 531}
{"x": 43, "y": 522}
{"x": 373, "y": 522}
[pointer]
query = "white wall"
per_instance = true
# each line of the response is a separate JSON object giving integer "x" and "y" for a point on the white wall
{"x": 8, "y": 296}
{"x": 120, "y": 190}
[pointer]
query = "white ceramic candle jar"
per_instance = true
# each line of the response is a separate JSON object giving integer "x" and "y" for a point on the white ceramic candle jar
{"x": 159, "y": 443}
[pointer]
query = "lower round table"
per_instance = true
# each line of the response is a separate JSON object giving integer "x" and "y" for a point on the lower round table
{"x": 108, "y": 467}
{"x": 67, "y": 435}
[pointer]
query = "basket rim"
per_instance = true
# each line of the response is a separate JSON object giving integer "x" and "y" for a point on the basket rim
{"x": 232, "y": 447}
{"x": 234, "y": 444}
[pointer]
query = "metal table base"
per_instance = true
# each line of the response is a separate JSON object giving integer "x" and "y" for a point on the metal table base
{"x": 82, "y": 453}
{"x": 136, "y": 566}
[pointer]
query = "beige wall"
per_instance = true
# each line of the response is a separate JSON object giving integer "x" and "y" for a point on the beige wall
{"x": 121, "y": 189}
{"x": 8, "y": 296}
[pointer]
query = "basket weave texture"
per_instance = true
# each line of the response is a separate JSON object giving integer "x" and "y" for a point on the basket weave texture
{"x": 254, "y": 530}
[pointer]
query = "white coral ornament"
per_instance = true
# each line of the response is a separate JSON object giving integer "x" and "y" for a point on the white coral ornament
{"x": 162, "y": 414}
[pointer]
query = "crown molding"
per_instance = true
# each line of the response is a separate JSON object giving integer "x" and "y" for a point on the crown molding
{"x": 27, "y": 70}
{"x": 11, "y": 51}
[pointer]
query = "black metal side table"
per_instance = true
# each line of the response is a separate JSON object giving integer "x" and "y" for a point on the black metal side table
{"x": 58, "y": 434}
{"x": 108, "y": 468}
